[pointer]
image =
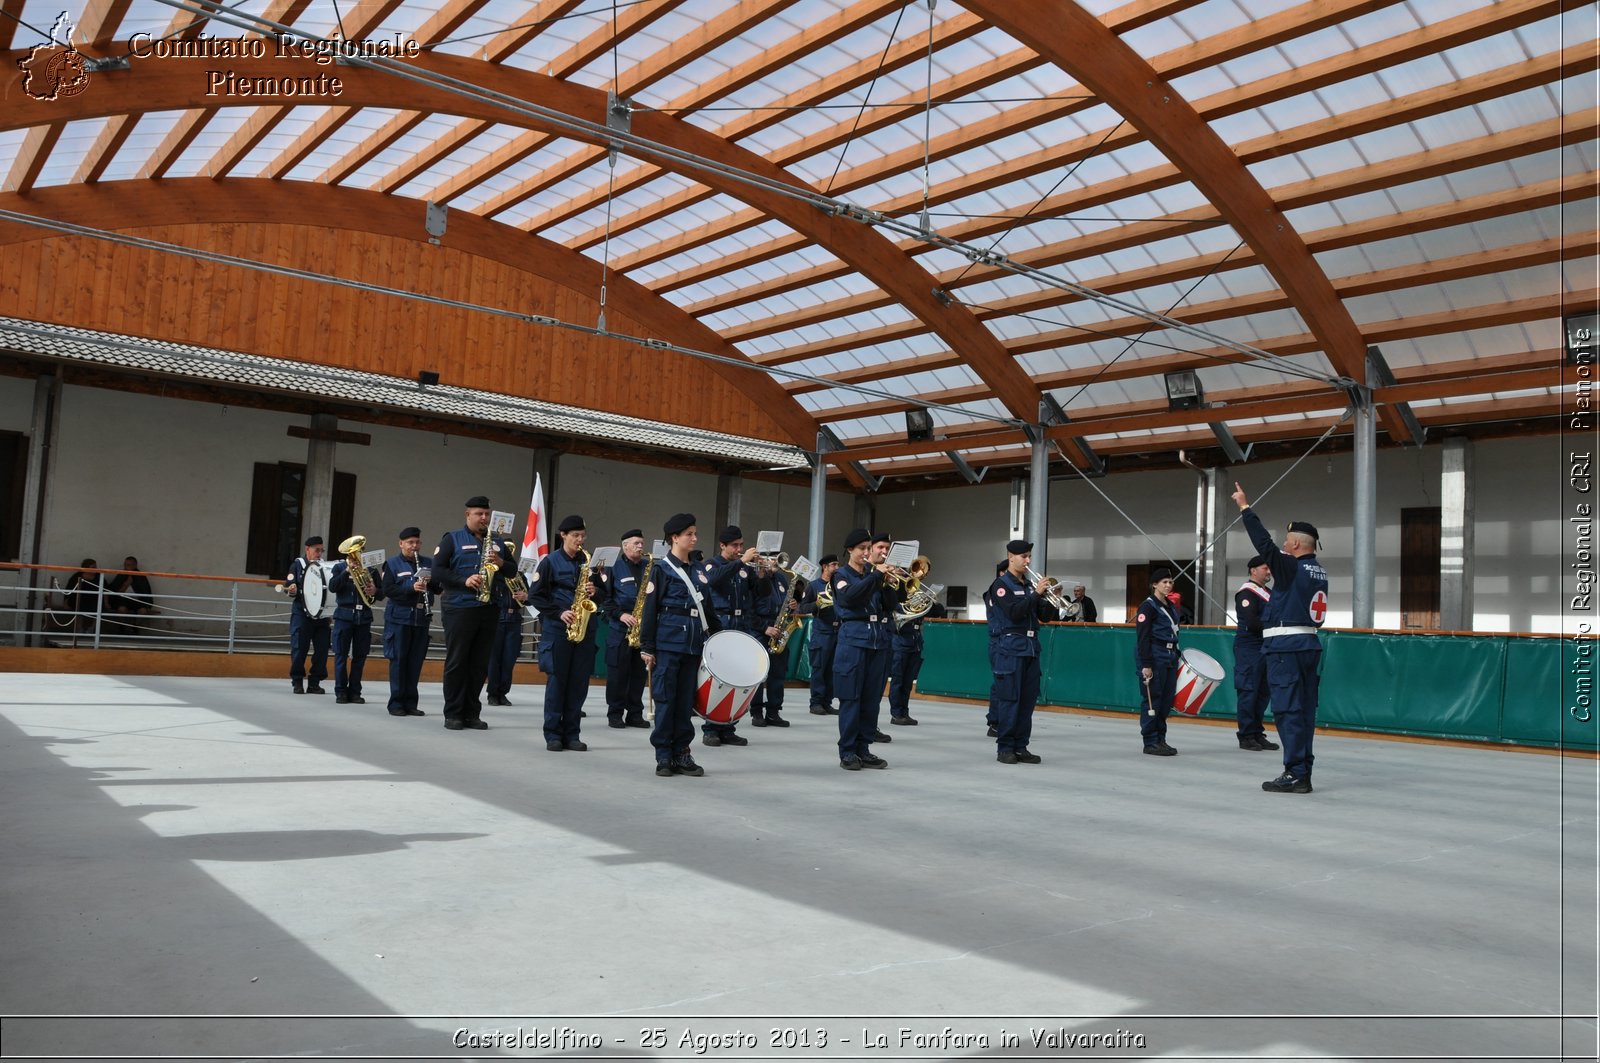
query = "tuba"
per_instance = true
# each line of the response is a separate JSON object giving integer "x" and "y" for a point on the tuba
{"x": 366, "y": 590}
{"x": 488, "y": 565}
{"x": 918, "y": 599}
{"x": 582, "y": 604}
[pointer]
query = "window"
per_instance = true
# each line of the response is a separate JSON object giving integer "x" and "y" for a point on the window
{"x": 277, "y": 499}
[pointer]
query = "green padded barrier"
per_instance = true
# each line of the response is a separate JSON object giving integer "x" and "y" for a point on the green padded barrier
{"x": 955, "y": 659}
{"x": 1445, "y": 685}
{"x": 1542, "y": 688}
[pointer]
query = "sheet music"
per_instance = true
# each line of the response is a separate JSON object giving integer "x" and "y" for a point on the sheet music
{"x": 502, "y": 524}
{"x": 769, "y": 542}
{"x": 805, "y": 569}
{"x": 902, "y": 554}
{"x": 659, "y": 549}
{"x": 604, "y": 557}
{"x": 527, "y": 565}
{"x": 373, "y": 558}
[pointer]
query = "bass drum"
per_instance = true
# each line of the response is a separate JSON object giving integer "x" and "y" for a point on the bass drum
{"x": 732, "y": 667}
{"x": 314, "y": 593}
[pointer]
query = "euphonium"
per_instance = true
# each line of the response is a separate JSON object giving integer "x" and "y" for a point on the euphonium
{"x": 636, "y": 632}
{"x": 515, "y": 582}
{"x": 582, "y": 605}
{"x": 918, "y": 601}
{"x": 351, "y": 548}
{"x": 488, "y": 565}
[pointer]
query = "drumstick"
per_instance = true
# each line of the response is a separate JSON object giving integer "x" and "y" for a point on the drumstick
{"x": 1148, "y": 700}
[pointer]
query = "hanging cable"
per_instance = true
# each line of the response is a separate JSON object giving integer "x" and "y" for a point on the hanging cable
{"x": 616, "y": 103}
{"x": 865, "y": 96}
{"x": 927, "y": 124}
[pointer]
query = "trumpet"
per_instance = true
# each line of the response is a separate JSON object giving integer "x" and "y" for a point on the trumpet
{"x": 1068, "y": 608}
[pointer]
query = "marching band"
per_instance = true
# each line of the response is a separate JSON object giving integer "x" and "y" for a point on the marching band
{"x": 709, "y": 638}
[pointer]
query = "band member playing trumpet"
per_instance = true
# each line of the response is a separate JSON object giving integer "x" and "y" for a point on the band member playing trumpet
{"x": 470, "y": 617}
{"x": 816, "y": 601}
{"x": 673, "y": 628}
{"x": 732, "y": 578}
{"x": 352, "y": 632}
{"x": 306, "y": 634}
{"x": 620, "y": 589}
{"x": 508, "y": 605}
{"x": 408, "y": 591}
{"x": 562, "y": 588}
{"x": 861, "y": 657}
{"x": 1022, "y": 608}
{"x": 1155, "y": 648}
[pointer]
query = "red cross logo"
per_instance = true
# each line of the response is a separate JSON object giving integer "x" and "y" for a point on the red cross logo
{"x": 1319, "y": 606}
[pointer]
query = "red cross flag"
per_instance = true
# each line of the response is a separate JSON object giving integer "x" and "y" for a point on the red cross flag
{"x": 538, "y": 533}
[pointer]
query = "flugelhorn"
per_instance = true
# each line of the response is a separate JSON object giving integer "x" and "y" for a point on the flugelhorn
{"x": 1052, "y": 594}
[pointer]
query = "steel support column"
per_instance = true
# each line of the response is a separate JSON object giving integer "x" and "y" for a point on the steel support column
{"x": 1039, "y": 502}
{"x": 1364, "y": 523}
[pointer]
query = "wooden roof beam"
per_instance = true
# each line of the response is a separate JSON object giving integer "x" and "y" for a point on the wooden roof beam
{"x": 32, "y": 154}
{"x": 10, "y": 19}
{"x": 373, "y": 145}
{"x": 189, "y": 125}
{"x": 105, "y": 147}
{"x": 98, "y": 24}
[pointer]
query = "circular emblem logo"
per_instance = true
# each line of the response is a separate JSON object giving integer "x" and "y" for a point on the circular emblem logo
{"x": 1000, "y": 592}
{"x": 650, "y": 588}
{"x": 1319, "y": 607}
{"x": 1141, "y": 618}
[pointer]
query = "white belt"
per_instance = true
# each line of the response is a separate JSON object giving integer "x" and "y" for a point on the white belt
{"x": 1271, "y": 632}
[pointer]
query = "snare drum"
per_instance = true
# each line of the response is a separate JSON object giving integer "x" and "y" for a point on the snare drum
{"x": 732, "y": 666}
{"x": 1198, "y": 676}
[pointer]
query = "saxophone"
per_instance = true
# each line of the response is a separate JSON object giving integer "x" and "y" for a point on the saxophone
{"x": 637, "y": 630}
{"x": 366, "y": 590}
{"x": 582, "y": 604}
{"x": 488, "y": 565}
{"x": 787, "y": 622}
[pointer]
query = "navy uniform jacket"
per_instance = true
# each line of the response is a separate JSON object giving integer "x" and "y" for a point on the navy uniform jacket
{"x": 865, "y": 607}
{"x": 1300, "y": 594}
{"x": 349, "y": 605}
{"x": 770, "y": 593}
{"x": 1015, "y": 613}
{"x": 672, "y": 622}
{"x": 456, "y": 559}
{"x": 1249, "y": 607}
{"x": 618, "y": 591}
{"x": 1155, "y": 633}
{"x": 733, "y": 593}
{"x": 824, "y": 622}
{"x": 401, "y": 605}
{"x": 555, "y": 583}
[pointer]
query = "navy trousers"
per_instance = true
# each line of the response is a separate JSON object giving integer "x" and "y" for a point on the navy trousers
{"x": 351, "y": 644}
{"x": 821, "y": 653}
{"x": 672, "y": 684}
{"x": 1294, "y": 682}
{"x": 858, "y": 677}
{"x": 503, "y": 656}
{"x": 1016, "y": 692}
{"x": 308, "y": 635}
{"x": 625, "y": 678}
{"x": 903, "y": 669}
{"x": 1250, "y": 692}
{"x": 406, "y": 648}
{"x": 468, "y": 639}
{"x": 1155, "y": 704}
{"x": 567, "y": 667}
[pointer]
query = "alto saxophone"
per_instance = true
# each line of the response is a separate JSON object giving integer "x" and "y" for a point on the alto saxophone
{"x": 582, "y": 604}
{"x": 366, "y": 590}
{"x": 787, "y": 622}
{"x": 637, "y": 631}
{"x": 488, "y": 565}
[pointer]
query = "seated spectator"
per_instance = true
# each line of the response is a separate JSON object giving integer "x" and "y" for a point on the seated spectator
{"x": 130, "y": 591}
{"x": 83, "y": 592}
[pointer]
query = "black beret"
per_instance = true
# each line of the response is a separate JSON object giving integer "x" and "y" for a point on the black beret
{"x": 410, "y": 533}
{"x": 883, "y": 537}
{"x": 1256, "y": 561}
{"x": 677, "y": 524}
{"x": 856, "y": 538}
{"x": 478, "y": 502}
{"x": 828, "y": 559}
{"x": 1001, "y": 566}
{"x": 1305, "y": 527}
{"x": 1160, "y": 574}
{"x": 315, "y": 540}
{"x": 632, "y": 533}
{"x": 1019, "y": 546}
{"x": 571, "y": 524}
{"x": 730, "y": 534}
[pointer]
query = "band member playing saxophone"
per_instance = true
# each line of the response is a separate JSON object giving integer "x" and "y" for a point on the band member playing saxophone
{"x": 563, "y": 592}
{"x": 465, "y": 564}
{"x": 622, "y": 589}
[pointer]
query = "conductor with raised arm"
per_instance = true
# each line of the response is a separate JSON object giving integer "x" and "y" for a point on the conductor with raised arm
{"x": 1290, "y": 622}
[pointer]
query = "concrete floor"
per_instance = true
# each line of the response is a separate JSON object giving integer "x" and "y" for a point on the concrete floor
{"x": 196, "y": 848}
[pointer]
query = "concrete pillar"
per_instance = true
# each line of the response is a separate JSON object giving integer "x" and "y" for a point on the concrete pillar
{"x": 863, "y": 514}
{"x": 730, "y": 499}
{"x": 1039, "y": 503}
{"x": 1457, "y": 505}
{"x": 35, "y": 501}
{"x": 1364, "y": 530}
{"x": 316, "y": 501}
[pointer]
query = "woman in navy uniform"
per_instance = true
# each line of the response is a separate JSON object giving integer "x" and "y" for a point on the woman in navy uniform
{"x": 470, "y": 625}
{"x": 508, "y": 634}
{"x": 1250, "y": 603}
{"x": 672, "y": 637}
{"x": 408, "y": 591}
{"x": 567, "y": 665}
{"x": 1155, "y": 656}
{"x": 625, "y": 671}
{"x": 1021, "y": 608}
{"x": 861, "y": 657}
{"x": 1289, "y": 641}
{"x": 732, "y": 579}
{"x": 352, "y": 633}
{"x": 824, "y": 628}
{"x": 306, "y": 634}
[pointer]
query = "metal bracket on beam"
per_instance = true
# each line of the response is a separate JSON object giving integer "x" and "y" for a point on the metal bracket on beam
{"x": 1379, "y": 375}
{"x": 1052, "y": 414}
{"x": 436, "y": 219}
{"x": 828, "y": 443}
{"x": 972, "y": 476}
{"x": 1097, "y": 464}
{"x": 1237, "y": 455}
{"x": 100, "y": 64}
